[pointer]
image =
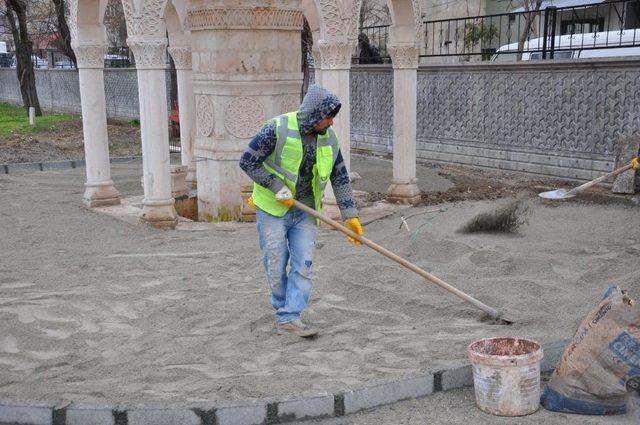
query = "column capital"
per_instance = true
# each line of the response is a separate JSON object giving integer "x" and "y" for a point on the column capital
{"x": 150, "y": 53}
{"x": 89, "y": 54}
{"x": 336, "y": 54}
{"x": 181, "y": 57}
{"x": 404, "y": 56}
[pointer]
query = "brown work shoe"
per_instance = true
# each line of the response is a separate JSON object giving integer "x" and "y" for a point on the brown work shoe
{"x": 296, "y": 327}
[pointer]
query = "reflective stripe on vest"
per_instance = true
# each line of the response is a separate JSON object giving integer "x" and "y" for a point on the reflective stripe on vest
{"x": 285, "y": 161}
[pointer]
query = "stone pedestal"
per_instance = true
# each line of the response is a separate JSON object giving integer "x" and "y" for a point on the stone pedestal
{"x": 247, "y": 212}
{"x": 158, "y": 204}
{"x": 100, "y": 190}
{"x": 403, "y": 188}
{"x": 186, "y": 107}
{"x": 179, "y": 187}
{"x": 246, "y": 70}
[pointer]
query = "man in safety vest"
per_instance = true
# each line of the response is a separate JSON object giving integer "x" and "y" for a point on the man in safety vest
{"x": 294, "y": 156}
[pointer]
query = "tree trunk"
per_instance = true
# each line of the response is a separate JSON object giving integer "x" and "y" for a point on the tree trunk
{"x": 24, "y": 50}
{"x": 307, "y": 44}
{"x": 528, "y": 18}
{"x": 63, "y": 29}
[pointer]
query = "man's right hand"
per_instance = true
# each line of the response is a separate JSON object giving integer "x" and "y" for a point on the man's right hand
{"x": 285, "y": 197}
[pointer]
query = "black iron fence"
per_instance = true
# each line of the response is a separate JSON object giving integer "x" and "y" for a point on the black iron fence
{"x": 553, "y": 32}
{"x": 372, "y": 45}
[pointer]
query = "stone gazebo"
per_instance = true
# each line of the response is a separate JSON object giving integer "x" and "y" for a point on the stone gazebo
{"x": 238, "y": 64}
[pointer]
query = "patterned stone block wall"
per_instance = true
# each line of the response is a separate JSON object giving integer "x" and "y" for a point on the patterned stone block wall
{"x": 59, "y": 91}
{"x": 553, "y": 119}
{"x": 372, "y": 109}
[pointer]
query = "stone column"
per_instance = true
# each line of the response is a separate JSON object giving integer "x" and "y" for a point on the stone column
{"x": 335, "y": 57}
{"x": 246, "y": 70}
{"x": 186, "y": 106}
{"x": 403, "y": 187}
{"x": 99, "y": 188}
{"x": 158, "y": 204}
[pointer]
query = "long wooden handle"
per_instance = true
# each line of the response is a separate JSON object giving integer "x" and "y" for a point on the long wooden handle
{"x": 599, "y": 179}
{"x": 493, "y": 313}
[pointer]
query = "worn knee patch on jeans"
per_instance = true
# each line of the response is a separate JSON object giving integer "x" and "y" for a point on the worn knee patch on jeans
{"x": 307, "y": 271}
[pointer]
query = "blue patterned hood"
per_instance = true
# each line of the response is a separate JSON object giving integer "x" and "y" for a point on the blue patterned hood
{"x": 316, "y": 105}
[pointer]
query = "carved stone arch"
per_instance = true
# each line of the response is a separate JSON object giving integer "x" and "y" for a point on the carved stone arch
{"x": 312, "y": 14}
{"x": 85, "y": 19}
{"x": 406, "y": 21}
{"x": 175, "y": 20}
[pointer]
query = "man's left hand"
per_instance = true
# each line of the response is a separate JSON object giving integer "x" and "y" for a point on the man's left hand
{"x": 354, "y": 225}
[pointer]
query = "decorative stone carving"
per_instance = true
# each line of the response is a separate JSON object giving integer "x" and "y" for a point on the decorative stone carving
{"x": 204, "y": 115}
{"x": 336, "y": 54}
{"x": 417, "y": 20}
{"x": 354, "y": 19}
{"x": 89, "y": 55}
{"x": 181, "y": 57}
{"x": 243, "y": 117}
{"x": 404, "y": 56}
{"x": 332, "y": 16}
{"x": 289, "y": 103}
{"x": 144, "y": 17}
{"x": 221, "y": 17}
{"x": 148, "y": 52}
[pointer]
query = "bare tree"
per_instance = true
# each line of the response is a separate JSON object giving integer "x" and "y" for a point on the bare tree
{"x": 374, "y": 12}
{"x": 532, "y": 9}
{"x": 17, "y": 19}
{"x": 307, "y": 45}
{"x": 64, "y": 41}
{"x": 115, "y": 24}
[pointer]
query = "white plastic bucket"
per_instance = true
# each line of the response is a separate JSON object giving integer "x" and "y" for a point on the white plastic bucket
{"x": 506, "y": 375}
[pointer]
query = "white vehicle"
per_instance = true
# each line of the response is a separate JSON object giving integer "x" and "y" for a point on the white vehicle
{"x": 3, "y": 47}
{"x": 576, "y": 46}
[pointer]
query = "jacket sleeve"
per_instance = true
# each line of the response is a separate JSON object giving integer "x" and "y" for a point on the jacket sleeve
{"x": 342, "y": 189}
{"x": 258, "y": 150}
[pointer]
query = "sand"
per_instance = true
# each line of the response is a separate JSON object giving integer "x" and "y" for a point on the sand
{"x": 97, "y": 310}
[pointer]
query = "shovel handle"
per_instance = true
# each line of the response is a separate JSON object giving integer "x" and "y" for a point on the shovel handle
{"x": 493, "y": 313}
{"x": 599, "y": 179}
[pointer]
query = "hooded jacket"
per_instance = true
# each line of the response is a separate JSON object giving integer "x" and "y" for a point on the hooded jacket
{"x": 316, "y": 105}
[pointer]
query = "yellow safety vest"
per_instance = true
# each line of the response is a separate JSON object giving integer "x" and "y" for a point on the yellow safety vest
{"x": 285, "y": 160}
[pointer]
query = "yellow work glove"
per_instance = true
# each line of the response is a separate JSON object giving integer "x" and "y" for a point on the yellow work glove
{"x": 285, "y": 197}
{"x": 634, "y": 163}
{"x": 250, "y": 202}
{"x": 354, "y": 225}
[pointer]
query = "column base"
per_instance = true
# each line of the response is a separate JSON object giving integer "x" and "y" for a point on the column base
{"x": 404, "y": 193}
{"x": 102, "y": 194}
{"x": 160, "y": 214}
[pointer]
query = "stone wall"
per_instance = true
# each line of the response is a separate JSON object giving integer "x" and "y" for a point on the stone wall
{"x": 561, "y": 119}
{"x": 58, "y": 90}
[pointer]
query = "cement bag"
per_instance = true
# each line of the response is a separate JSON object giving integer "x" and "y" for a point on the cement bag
{"x": 602, "y": 357}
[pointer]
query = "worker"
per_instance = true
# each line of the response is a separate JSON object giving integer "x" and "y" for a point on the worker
{"x": 293, "y": 156}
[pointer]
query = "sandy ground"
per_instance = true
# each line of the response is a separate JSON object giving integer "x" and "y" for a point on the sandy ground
{"x": 95, "y": 309}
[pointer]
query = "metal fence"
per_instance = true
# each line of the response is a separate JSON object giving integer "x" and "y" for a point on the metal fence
{"x": 372, "y": 45}
{"x": 552, "y": 32}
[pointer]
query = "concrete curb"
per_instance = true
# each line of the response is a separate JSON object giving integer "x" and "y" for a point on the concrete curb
{"x": 259, "y": 412}
{"x": 30, "y": 167}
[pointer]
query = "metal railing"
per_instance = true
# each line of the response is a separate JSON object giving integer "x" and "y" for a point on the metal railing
{"x": 538, "y": 33}
{"x": 372, "y": 45}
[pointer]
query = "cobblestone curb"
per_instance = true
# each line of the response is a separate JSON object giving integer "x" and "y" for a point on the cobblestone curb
{"x": 30, "y": 167}
{"x": 259, "y": 412}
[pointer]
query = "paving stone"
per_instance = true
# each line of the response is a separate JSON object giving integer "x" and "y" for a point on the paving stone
{"x": 56, "y": 165}
{"x": 386, "y": 393}
{"x": 36, "y": 415}
{"x": 241, "y": 415}
{"x": 89, "y": 417}
{"x": 306, "y": 407}
{"x": 162, "y": 417}
{"x": 457, "y": 377}
{"x": 24, "y": 167}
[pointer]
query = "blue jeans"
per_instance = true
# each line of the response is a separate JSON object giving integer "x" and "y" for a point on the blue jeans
{"x": 288, "y": 240}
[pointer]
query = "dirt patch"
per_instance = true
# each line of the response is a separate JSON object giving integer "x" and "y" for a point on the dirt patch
{"x": 66, "y": 143}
